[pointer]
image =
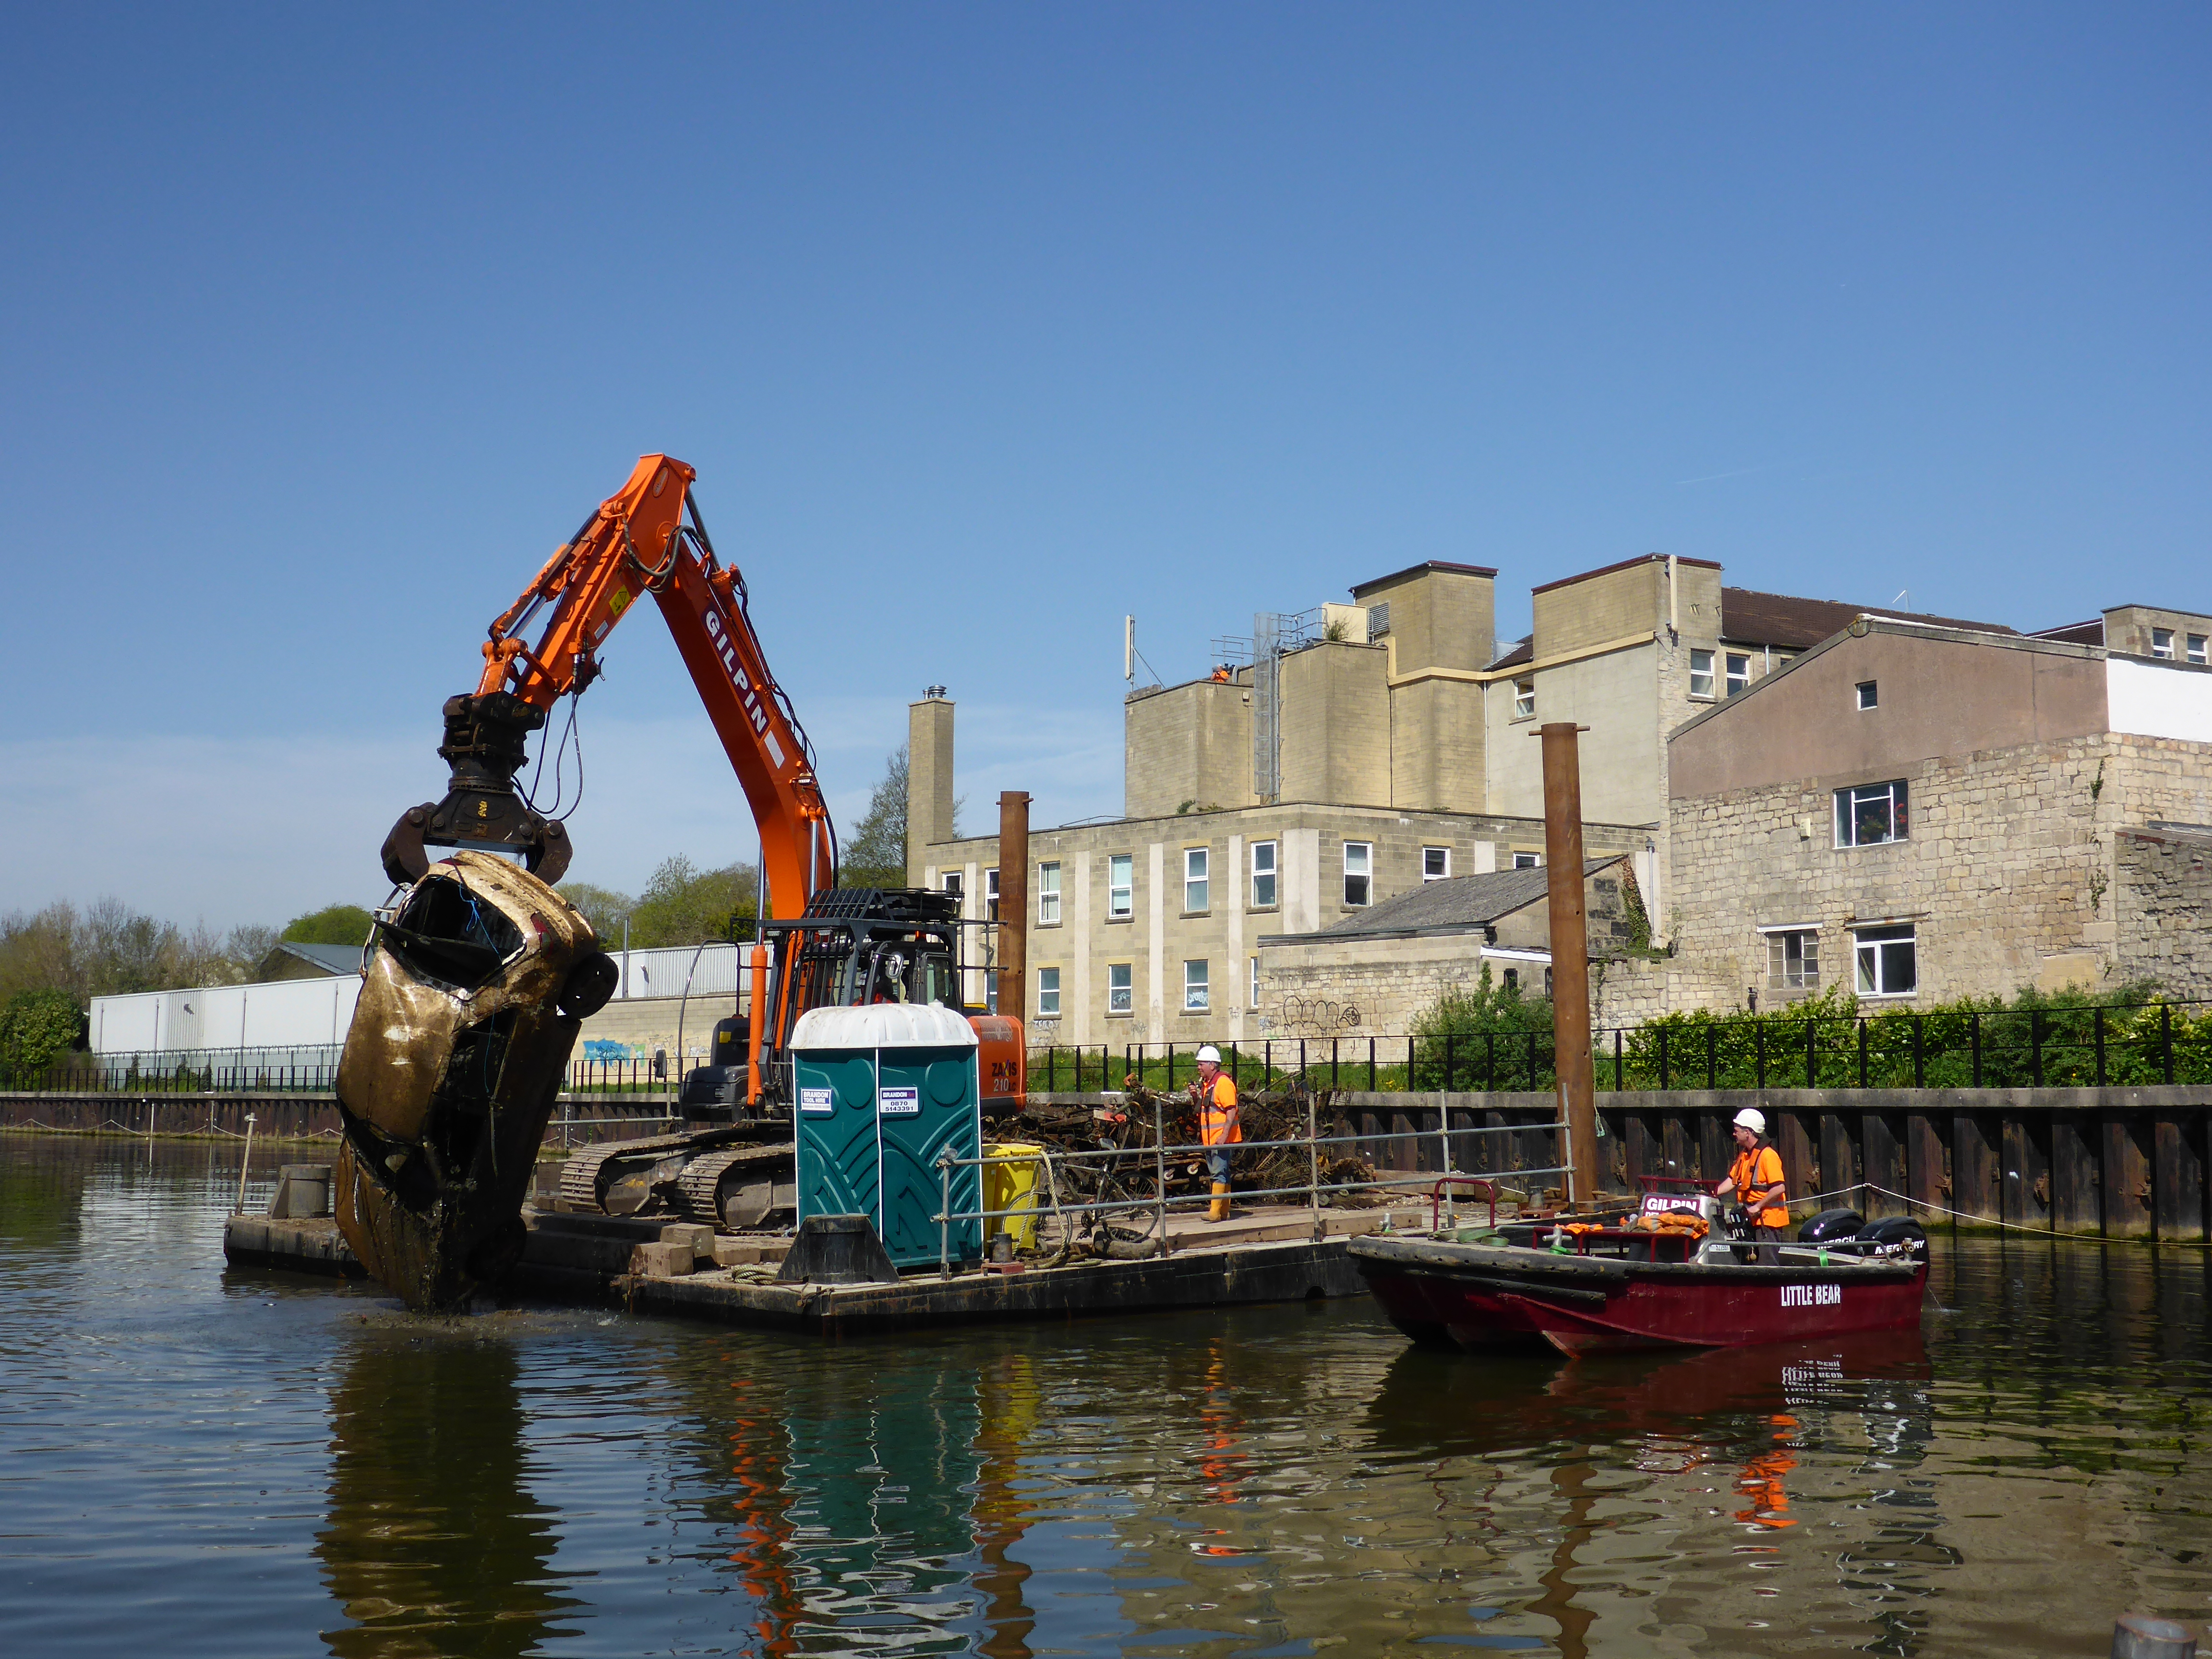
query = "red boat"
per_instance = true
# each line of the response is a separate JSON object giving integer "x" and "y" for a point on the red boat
{"x": 1666, "y": 1276}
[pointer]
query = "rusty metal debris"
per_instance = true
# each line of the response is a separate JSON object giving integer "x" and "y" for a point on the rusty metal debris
{"x": 475, "y": 989}
{"x": 1126, "y": 1128}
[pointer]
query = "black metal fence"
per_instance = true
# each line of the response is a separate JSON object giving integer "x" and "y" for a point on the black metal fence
{"x": 2058, "y": 1047}
{"x": 2062, "y": 1046}
{"x": 249, "y": 1071}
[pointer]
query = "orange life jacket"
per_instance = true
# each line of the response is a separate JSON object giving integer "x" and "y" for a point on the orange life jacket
{"x": 1760, "y": 1168}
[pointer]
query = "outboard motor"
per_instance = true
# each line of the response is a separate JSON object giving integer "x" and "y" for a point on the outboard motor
{"x": 1831, "y": 1225}
{"x": 1891, "y": 1231}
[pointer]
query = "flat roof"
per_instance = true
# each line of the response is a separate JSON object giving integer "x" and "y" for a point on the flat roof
{"x": 1416, "y": 569}
{"x": 1626, "y": 564}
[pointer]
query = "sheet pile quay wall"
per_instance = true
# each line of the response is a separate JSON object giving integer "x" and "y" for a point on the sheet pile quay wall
{"x": 2115, "y": 1163}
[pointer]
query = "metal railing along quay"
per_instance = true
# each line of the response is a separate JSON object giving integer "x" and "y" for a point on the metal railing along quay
{"x": 1156, "y": 1204}
{"x": 2059, "y": 1046}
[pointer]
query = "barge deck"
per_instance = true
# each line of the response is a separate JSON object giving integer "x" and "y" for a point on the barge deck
{"x": 647, "y": 1265}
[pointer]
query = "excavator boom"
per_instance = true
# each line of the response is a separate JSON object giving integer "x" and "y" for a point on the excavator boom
{"x": 646, "y": 538}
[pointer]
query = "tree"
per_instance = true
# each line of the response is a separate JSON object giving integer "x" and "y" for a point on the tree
{"x": 38, "y": 1027}
{"x": 875, "y": 856}
{"x": 334, "y": 924}
{"x": 683, "y": 904}
{"x": 603, "y": 907}
{"x": 108, "y": 949}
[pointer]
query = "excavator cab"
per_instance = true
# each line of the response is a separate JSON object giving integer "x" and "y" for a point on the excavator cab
{"x": 854, "y": 946}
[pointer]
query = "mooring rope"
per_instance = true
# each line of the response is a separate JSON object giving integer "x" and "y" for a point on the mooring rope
{"x": 1978, "y": 1220}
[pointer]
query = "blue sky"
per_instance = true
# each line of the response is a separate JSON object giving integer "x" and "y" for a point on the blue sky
{"x": 983, "y": 325}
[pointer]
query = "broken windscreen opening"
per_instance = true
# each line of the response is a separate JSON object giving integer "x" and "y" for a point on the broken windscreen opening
{"x": 448, "y": 936}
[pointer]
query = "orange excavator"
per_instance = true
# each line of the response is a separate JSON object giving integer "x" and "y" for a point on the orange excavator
{"x": 816, "y": 944}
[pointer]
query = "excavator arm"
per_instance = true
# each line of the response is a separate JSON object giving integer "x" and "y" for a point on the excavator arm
{"x": 646, "y": 538}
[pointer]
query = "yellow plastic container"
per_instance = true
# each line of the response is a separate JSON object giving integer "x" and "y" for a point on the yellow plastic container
{"x": 1010, "y": 1186}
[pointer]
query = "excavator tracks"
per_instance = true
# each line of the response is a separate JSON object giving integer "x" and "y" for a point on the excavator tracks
{"x": 701, "y": 1180}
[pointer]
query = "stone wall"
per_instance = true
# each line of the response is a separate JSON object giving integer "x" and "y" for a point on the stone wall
{"x": 650, "y": 1023}
{"x": 1188, "y": 747}
{"x": 2007, "y": 873}
{"x": 1383, "y": 986}
{"x": 2162, "y": 899}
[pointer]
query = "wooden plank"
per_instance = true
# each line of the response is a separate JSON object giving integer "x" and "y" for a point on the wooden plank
{"x": 1927, "y": 1161}
{"x": 2125, "y": 1177}
{"x": 1676, "y": 1142}
{"x": 2178, "y": 1178}
{"x": 1840, "y": 1164}
{"x": 1716, "y": 1152}
{"x": 1801, "y": 1166}
{"x": 2074, "y": 1200}
{"x": 1883, "y": 1143}
{"x": 1640, "y": 1150}
{"x": 1975, "y": 1177}
{"x": 1404, "y": 1153}
{"x": 2025, "y": 1184}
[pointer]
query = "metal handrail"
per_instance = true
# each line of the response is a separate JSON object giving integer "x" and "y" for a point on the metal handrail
{"x": 1160, "y": 1201}
{"x": 1436, "y": 1195}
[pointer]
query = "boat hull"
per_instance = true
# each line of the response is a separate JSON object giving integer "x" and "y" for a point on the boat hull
{"x": 1478, "y": 1297}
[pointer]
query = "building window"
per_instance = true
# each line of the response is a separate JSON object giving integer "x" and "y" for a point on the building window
{"x": 1739, "y": 672}
{"x": 2161, "y": 642}
{"x": 990, "y": 895}
{"x": 1869, "y": 694}
{"x": 1194, "y": 987}
{"x": 1254, "y": 1002}
{"x": 1359, "y": 871}
{"x": 1527, "y": 860}
{"x": 1701, "y": 673}
{"x": 952, "y": 881}
{"x": 1048, "y": 895}
{"x": 1196, "y": 861}
{"x": 1263, "y": 875}
{"x": 1888, "y": 967}
{"x": 2196, "y": 648}
{"x": 1048, "y": 993}
{"x": 1120, "y": 878}
{"x": 1117, "y": 987}
{"x": 1524, "y": 699}
{"x": 1870, "y": 815}
{"x": 1793, "y": 961}
{"x": 1435, "y": 863}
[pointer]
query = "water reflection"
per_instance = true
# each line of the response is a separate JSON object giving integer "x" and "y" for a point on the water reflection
{"x": 242, "y": 1461}
{"x": 432, "y": 1543}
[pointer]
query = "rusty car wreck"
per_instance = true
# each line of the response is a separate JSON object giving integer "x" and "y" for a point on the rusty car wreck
{"x": 477, "y": 984}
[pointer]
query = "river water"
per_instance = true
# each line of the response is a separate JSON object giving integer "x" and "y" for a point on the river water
{"x": 201, "y": 1462}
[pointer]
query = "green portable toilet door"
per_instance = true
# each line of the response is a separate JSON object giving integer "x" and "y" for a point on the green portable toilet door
{"x": 839, "y": 1165}
{"x": 926, "y": 1103}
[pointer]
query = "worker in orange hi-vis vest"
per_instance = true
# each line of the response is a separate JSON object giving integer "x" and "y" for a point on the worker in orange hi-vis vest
{"x": 1756, "y": 1180}
{"x": 1215, "y": 1095}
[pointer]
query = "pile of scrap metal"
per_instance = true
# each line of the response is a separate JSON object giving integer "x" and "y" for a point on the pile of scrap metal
{"x": 478, "y": 980}
{"x": 1125, "y": 1125}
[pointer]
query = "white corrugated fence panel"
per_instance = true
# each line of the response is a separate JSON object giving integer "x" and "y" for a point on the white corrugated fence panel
{"x": 660, "y": 972}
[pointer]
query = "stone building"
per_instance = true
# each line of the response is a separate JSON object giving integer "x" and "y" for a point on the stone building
{"x": 1356, "y": 753}
{"x": 1924, "y": 813}
{"x": 1376, "y": 973}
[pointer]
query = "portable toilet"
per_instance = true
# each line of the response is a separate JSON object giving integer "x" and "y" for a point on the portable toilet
{"x": 883, "y": 1093}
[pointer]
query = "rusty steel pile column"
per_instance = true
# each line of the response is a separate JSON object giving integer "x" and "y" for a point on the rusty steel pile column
{"x": 1013, "y": 903}
{"x": 1569, "y": 934}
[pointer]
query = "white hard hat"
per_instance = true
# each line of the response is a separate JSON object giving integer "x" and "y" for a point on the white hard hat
{"x": 1210, "y": 1053}
{"x": 1752, "y": 1119}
